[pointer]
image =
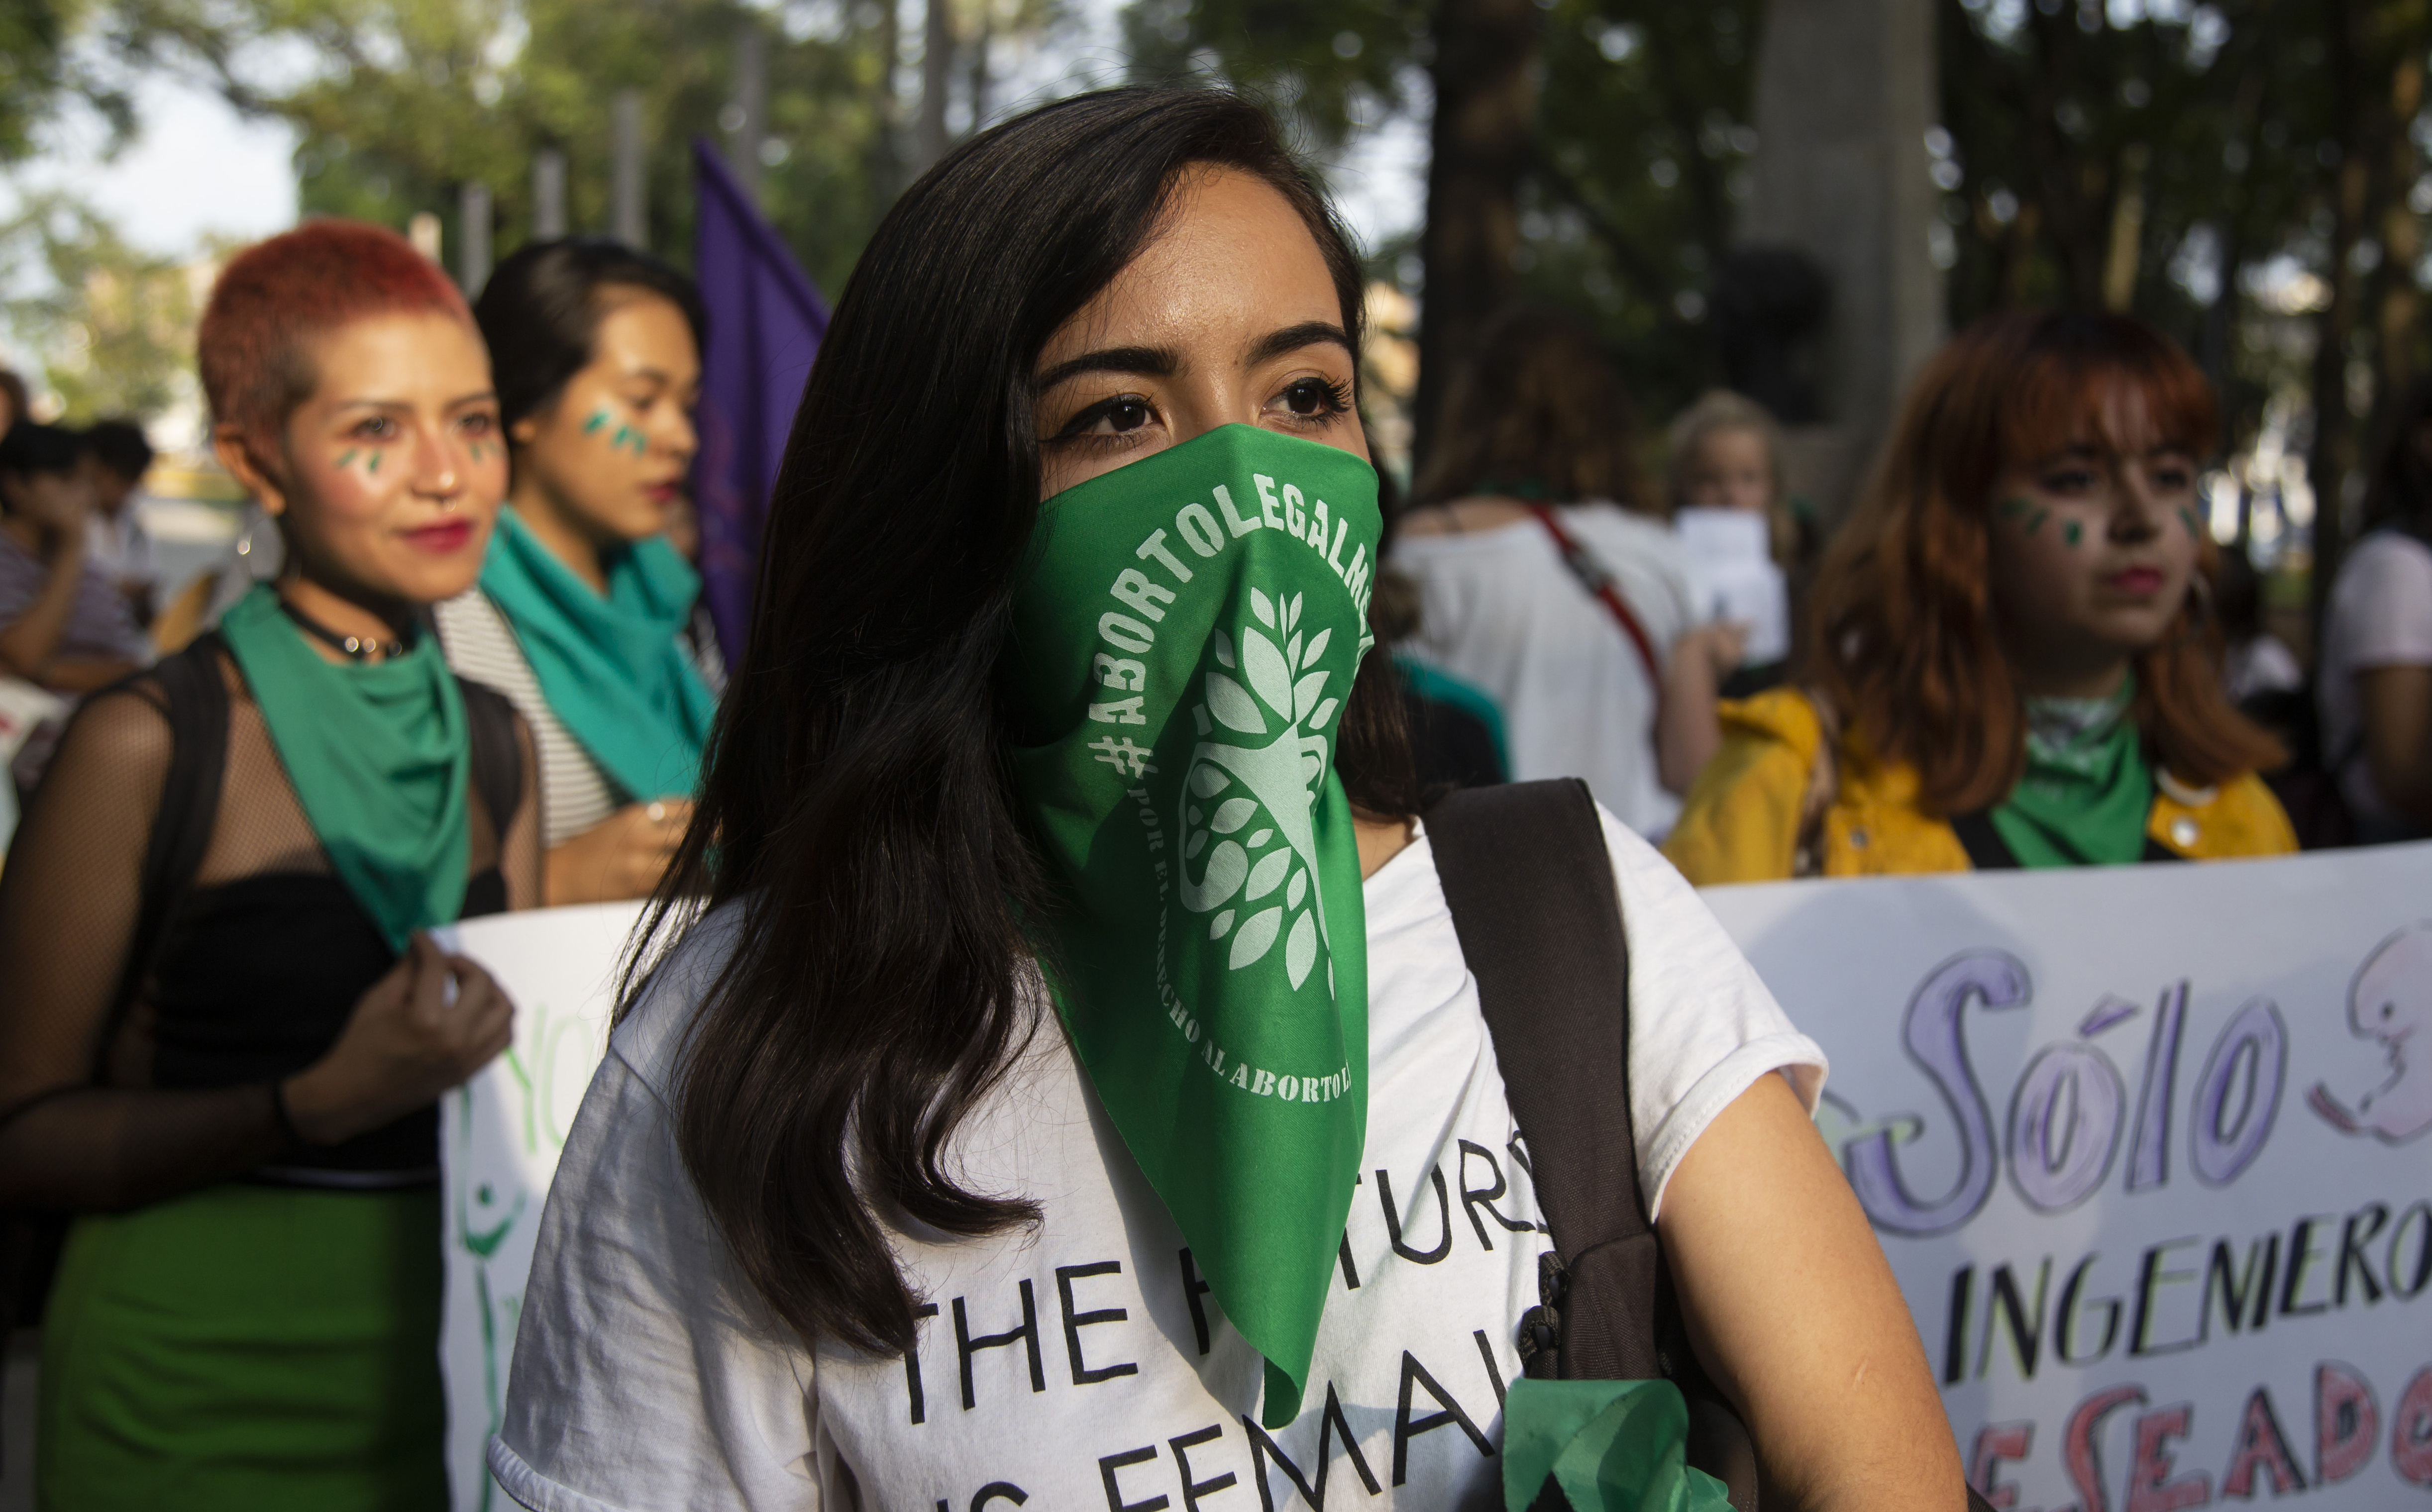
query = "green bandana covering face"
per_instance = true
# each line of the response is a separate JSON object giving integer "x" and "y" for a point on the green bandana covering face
{"x": 2087, "y": 792}
{"x": 1185, "y": 633}
{"x": 379, "y": 756}
{"x": 611, "y": 667}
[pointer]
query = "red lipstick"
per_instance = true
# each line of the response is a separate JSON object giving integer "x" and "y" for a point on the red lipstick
{"x": 2136, "y": 581}
{"x": 442, "y": 538}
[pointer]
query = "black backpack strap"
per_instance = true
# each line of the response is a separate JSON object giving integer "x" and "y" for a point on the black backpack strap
{"x": 1530, "y": 887}
{"x": 497, "y": 757}
{"x": 196, "y": 697}
{"x": 1529, "y": 883}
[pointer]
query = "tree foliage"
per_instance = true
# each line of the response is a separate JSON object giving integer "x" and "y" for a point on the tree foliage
{"x": 399, "y": 103}
{"x": 116, "y": 325}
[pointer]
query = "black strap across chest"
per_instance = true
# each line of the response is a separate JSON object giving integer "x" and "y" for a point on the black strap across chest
{"x": 1988, "y": 851}
{"x": 196, "y": 697}
{"x": 1530, "y": 887}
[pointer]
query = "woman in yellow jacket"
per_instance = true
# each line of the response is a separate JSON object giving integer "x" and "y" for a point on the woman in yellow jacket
{"x": 2013, "y": 662}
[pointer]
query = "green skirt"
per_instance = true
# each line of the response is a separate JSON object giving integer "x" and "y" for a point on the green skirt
{"x": 246, "y": 1347}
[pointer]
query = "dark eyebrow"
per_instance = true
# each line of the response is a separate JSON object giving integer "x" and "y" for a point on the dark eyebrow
{"x": 1292, "y": 338}
{"x": 1153, "y": 362}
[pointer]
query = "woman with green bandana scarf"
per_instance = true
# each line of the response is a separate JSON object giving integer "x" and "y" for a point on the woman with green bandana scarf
{"x": 224, "y": 1026}
{"x": 1068, "y": 1086}
{"x": 2012, "y": 660}
{"x": 585, "y": 615}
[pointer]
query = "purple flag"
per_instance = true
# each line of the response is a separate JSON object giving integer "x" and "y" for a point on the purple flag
{"x": 765, "y": 326}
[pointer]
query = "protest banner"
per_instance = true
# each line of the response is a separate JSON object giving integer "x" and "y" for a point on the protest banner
{"x": 2147, "y": 1148}
{"x": 499, "y": 1137}
{"x": 2151, "y": 1150}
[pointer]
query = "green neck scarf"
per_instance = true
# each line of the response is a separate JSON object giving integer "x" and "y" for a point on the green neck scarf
{"x": 612, "y": 668}
{"x": 1185, "y": 632}
{"x": 380, "y": 757}
{"x": 2087, "y": 791}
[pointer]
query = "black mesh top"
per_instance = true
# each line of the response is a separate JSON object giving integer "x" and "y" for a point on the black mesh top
{"x": 258, "y": 967}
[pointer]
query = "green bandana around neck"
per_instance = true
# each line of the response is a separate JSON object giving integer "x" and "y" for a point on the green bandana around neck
{"x": 2086, "y": 794}
{"x": 611, "y": 666}
{"x": 1185, "y": 633}
{"x": 379, "y": 756}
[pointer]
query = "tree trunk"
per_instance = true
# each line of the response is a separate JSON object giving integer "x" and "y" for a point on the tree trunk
{"x": 2358, "y": 189}
{"x": 1486, "y": 101}
{"x": 937, "y": 74}
{"x": 885, "y": 164}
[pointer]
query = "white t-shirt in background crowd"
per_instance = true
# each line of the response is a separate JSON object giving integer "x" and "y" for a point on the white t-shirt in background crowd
{"x": 1083, "y": 1361}
{"x": 2381, "y": 616}
{"x": 1499, "y": 608}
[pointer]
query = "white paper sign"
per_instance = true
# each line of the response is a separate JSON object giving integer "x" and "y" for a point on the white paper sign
{"x": 1733, "y": 577}
{"x": 2150, "y": 1151}
{"x": 500, "y": 1138}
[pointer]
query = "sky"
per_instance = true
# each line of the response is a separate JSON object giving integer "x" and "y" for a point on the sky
{"x": 196, "y": 168}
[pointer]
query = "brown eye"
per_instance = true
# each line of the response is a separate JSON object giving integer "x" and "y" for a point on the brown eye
{"x": 1126, "y": 415}
{"x": 1312, "y": 397}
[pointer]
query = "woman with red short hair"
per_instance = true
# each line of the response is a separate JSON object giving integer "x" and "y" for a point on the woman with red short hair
{"x": 2012, "y": 660}
{"x": 223, "y": 1023}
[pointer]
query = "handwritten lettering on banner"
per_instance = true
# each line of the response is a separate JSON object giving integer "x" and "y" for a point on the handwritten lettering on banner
{"x": 2150, "y": 1151}
{"x": 499, "y": 1137}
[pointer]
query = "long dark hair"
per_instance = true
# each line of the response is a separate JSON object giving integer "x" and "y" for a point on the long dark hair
{"x": 856, "y": 809}
{"x": 540, "y": 312}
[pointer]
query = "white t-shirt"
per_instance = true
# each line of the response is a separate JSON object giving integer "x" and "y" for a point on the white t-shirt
{"x": 1077, "y": 1364}
{"x": 1499, "y": 608}
{"x": 2381, "y": 616}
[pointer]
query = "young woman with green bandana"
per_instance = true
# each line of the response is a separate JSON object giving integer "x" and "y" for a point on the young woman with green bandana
{"x": 1069, "y": 1088}
{"x": 584, "y": 612}
{"x": 2012, "y": 660}
{"x": 224, "y": 1025}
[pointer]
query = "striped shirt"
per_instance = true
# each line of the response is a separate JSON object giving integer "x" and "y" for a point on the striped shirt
{"x": 100, "y": 622}
{"x": 576, "y": 792}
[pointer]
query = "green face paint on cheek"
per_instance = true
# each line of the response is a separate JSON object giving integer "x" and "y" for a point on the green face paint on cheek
{"x": 599, "y": 418}
{"x": 2010, "y": 509}
{"x": 2072, "y": 533}
{"x": 2037, "y": 523}
{"x": 2188, "y": 518}
{"x": 347, "y": 456}
{"x": 373, "y": 465}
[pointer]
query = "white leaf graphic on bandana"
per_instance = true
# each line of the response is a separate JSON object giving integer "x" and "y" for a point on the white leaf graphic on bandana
{"x": 1274, "y": 777}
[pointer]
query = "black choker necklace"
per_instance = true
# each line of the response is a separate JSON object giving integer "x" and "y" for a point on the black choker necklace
{"x": 355, "y": 647}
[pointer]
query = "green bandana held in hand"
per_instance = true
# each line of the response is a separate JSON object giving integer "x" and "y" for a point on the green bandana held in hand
{"x": 1185, "y": 632}
{"x": 381, "y": 757}
{"x": 1611, "y": 1446}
